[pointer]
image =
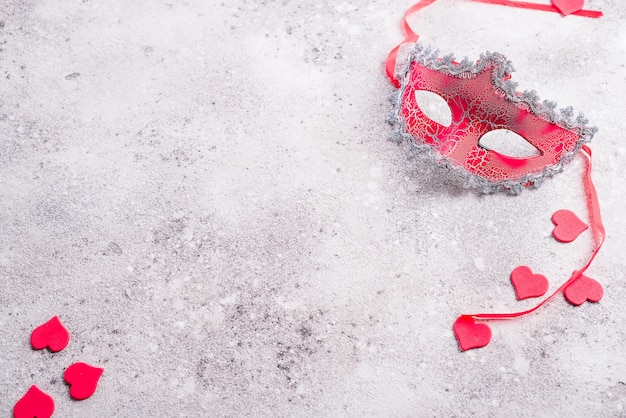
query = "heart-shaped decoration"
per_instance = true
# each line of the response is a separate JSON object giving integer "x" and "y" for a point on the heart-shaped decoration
{"x": 35, "y": 403}
{"x": 470, "y": 334}
{"x": 583, "y": 289}
{"x": 527, "y": 284}
{"x": 83, "y": 380}
{"x": 567, "y": 7}
{"x": 52, "y": 334}
{"x": 567, "y": 225}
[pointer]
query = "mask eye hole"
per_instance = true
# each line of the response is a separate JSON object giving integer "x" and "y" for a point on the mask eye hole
{"x": 434, "y": 107}
{"x": 508, "y": 143}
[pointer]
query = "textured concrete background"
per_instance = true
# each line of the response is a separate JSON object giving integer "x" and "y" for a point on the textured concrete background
{"x": 205, "y": 193}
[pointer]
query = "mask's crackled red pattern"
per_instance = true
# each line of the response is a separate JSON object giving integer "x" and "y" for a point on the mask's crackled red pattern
{"x": 477, "y": 107}
{"x": 481, "y": 98}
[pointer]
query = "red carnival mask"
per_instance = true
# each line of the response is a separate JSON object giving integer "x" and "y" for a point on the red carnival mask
{"x": 482, "y": 99}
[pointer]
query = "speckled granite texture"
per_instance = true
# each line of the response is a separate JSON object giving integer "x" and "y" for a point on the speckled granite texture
{"x": 205, "y": 192}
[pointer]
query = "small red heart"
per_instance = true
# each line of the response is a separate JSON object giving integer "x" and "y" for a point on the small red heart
{"x": 567, "y": 7}
{"x": 527, "y": 284}
{"x": 567, "y": 225}
{"x": 583, "y": 289}
{"x": 52, "y": 334}
{"x": 470, "y": 334}
{"x": 83, "y": 380}
{"x": 35, "y": 403}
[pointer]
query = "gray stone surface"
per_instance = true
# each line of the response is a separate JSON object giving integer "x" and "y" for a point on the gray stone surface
{"x": 205, "y": 193}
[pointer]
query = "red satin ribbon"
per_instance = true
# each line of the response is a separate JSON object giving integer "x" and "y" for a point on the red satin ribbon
{"x": 542, "y": 7}
{"x": 595, "y": 218}
{"x": 412, "y": 37}
{"x": 597, "y": 230}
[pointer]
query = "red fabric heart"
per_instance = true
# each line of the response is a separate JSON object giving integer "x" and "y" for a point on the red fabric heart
{"x": 527, "y": 284}
{"x": 52, "y": 334}
{"x": 83, "y": 380}
{"x": 567, "y": 7}
{"x": 583, "y": 289}
{"x": 567, "y": 225}
{"x": 470, "y": 334}
{"x": 35, "y": 403}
